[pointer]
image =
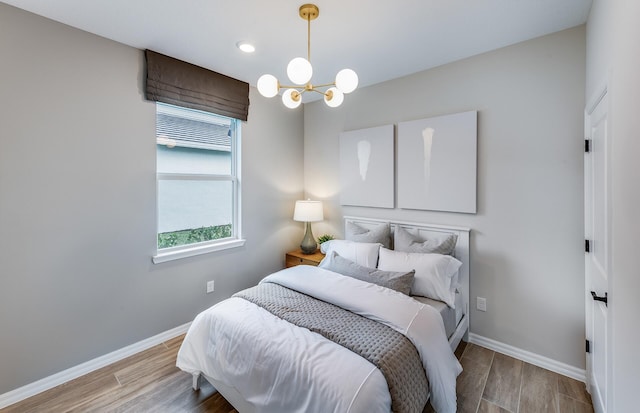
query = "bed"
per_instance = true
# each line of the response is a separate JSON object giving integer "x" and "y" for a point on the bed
{"x": 261, "y": 359}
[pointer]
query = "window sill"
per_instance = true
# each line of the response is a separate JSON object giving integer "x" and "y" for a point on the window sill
{"x": 193, "y": 251}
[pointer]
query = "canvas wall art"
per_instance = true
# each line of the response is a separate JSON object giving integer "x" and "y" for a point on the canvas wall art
{"x": 367, "y": 167}
{"x": 437, "y": 163}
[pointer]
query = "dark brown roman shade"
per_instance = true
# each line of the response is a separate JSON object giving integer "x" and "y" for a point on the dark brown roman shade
{"x": 180, "y": 83}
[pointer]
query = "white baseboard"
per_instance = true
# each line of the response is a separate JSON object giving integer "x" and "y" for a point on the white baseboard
{"x": 531, "y": 358}
{"x": 64, "y": 376}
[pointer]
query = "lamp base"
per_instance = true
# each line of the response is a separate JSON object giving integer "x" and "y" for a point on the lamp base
{"x": 308, "y": 245}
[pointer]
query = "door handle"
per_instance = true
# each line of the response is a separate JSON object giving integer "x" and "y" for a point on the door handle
{"x": 596, "y": 298}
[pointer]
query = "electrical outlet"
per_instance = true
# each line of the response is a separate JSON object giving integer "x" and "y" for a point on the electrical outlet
{"x": 481, "y": 303}
{"x": 210, "y": 287}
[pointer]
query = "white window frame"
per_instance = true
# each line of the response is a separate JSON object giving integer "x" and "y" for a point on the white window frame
{"x": 236, "y": 240}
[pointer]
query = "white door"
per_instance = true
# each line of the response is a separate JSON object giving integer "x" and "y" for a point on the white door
{"x": 598, "y": 259}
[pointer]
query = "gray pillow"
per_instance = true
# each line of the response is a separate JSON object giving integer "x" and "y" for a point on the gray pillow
{"x": 405, "y": 242}
{"x": 380, "y": 234}
{"x": 398, "y": 281}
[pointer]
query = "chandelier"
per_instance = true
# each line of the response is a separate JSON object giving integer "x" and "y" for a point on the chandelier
{"x": 300, "y": 71}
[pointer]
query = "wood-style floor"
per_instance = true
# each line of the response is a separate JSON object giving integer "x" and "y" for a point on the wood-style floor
{"x": 494, "y": 383}
{"x": 150, "y": 382}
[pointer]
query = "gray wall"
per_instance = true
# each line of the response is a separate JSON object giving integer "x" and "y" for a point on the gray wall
{"x": 599, "y": 41}
{"x": 613, "y": 59}
{"x": 77, "y": 203}
{"x": 527, "y": 240}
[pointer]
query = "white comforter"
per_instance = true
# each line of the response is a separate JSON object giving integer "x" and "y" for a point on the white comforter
{"x": 278, "y": 367}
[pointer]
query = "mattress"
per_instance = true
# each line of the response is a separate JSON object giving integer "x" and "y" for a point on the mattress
{"x": 451, "y": 317}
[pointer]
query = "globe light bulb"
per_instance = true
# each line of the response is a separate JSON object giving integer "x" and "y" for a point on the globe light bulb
{"x": 299, "y": 71}
{"x": 333, "y": 97}
{"x": 291, "y": 98}
{"x": 347, "y": 80}
{"x": 268, "y": 86}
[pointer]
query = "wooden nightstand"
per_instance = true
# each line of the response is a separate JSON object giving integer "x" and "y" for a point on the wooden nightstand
{"x": 296, "y": 257}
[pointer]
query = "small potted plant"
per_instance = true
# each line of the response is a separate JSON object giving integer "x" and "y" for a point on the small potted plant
{"x": 325, "y": 238}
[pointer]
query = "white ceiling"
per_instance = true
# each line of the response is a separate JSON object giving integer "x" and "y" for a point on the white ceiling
{"x": 380, "y": 41}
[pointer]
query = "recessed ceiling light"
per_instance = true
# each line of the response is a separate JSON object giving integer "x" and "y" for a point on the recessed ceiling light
{"x": 246, "y": 47}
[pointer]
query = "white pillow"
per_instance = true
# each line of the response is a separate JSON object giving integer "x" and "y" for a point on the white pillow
{"x": 363, "y": 253}
{"x": 434, "y": 272}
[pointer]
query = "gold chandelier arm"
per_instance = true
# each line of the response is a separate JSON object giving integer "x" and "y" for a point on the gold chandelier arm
{"x": 296, "y": 87}
{"x": 325, "y": 85}
{"x": 319, "y": 91}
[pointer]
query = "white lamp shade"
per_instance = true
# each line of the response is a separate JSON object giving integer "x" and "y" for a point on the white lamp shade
{"x": 287, "y": 99}
{"x": 347, "y": 80}
{"x": 308, "y": 211}
{"x": 268, "y": 86}
{"x": 299, "y": 71}
{"x": 336, "y": 99}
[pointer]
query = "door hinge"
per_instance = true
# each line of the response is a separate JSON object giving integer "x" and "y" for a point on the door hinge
{"x": 587, "y": 245}
{"x": 587, "y": 145}
{"x": 604, "y": 299}
{"x": 588, "y": 347}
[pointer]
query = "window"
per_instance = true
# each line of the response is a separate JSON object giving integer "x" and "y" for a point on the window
{"x": 197, "y": 182}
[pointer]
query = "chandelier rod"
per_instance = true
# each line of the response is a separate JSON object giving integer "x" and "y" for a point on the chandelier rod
{"x": 309, "y": 37}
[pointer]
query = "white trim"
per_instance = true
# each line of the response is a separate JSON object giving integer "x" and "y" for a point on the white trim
{"x": 164, "y": 141}
{"x": 198, "y": 250}
{"x": 529, "y": 357}
{"x": 29, "y": 390}
{"x": 447, "y": 228}
{"x": 596, "y": 398}
{"x": 596, "y": 97}
{"x": 236, "y": 171}
{"x": 163, "y": 176}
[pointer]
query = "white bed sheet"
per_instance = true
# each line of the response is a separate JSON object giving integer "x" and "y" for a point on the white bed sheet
{"x": 238, "y": 357}
{"x": 451, "y": 317}
{"x": 277, "y": 366}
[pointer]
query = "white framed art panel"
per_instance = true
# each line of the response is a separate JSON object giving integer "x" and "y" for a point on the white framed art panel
{"x": 367, "y": 167}
{"x": 437, "y": 163}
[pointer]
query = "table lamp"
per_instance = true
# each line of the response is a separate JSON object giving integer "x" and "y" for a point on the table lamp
{"x": 308, "y": 211}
